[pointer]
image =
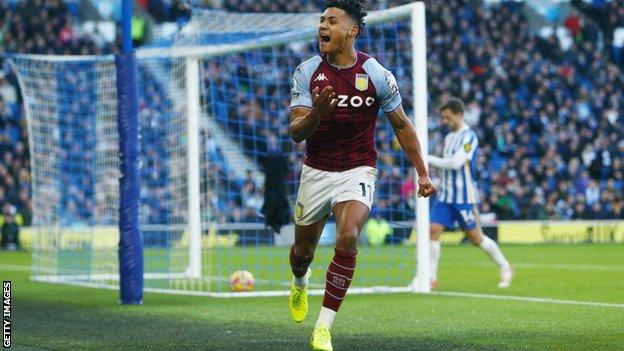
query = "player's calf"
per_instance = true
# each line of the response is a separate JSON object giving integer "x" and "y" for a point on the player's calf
{"x": 475, "y": 238}
{"x": 337, "y": 282}
{"x": 350, "y": 218}
{"x": 435, "y": 249}
{"x": 300, "y": 260}
{"x": 491, "y": 248}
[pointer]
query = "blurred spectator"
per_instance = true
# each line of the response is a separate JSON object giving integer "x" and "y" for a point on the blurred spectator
{"x": 377, "y": 229}
{"x": 139, "y": 30}
{"x": 573, "y": 23}
{"x": 618, "y": 45}
{"x": 9, "y": 229}
{"x": 609, "y": 15}
{"x": 168, "y": 10}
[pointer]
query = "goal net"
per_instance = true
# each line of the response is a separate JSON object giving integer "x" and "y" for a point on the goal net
{"x": 212, "y": 108}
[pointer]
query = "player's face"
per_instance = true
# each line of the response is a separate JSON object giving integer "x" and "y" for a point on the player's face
{"x": 450, "y": 119}
{"x": 336, "y": 30}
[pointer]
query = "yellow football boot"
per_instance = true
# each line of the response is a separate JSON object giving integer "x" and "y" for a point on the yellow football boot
{"x": 298, "y": 303}
{"x": 321, "y": 339}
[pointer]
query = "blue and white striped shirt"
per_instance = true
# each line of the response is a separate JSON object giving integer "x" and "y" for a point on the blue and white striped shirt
{"x": 459, "y": 183}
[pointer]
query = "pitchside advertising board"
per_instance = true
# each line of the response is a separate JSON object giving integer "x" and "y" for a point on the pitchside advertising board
{"x": 561, "y": 232}
{"x": 506, "y": 232}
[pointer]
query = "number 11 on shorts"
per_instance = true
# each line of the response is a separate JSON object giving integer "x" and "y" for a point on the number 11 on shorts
{"x": 370, "y": 193}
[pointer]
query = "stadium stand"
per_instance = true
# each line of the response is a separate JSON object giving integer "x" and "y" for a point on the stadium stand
{"x": 609, "y": 15}
{"x": 41, "y": 27}
{"x": 549, "y": 148}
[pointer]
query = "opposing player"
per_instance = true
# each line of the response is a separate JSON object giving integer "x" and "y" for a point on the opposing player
{"x": 457, "y": 200}
{"x": 335, "y": 100}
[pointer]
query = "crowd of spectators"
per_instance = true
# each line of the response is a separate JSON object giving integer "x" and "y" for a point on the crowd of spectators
{"x": 168, "y": 10}
{"x": 609, "y": 16}
{"x": 550, "y": 119}
{"x": 42, "y": 27}
{"x": 549, "y": 112}
{"x": 39, "y": 27}
{"x": 14, "y": 164}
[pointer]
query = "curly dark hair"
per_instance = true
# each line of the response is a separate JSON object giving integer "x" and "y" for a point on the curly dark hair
{"x": 353, "y": 8}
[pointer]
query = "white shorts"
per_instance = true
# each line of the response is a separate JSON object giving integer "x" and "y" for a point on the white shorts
{"x": 320, "y": 190}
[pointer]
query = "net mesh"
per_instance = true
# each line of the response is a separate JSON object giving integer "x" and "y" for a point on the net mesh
{"x": 245, "y": 97}
{"x": 244, "y": 117}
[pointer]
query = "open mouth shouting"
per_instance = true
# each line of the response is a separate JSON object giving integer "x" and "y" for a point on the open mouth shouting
{"x": 324, "y": 41}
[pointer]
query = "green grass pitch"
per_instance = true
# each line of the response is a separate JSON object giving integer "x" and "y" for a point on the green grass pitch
{"x": 57, "y": 317}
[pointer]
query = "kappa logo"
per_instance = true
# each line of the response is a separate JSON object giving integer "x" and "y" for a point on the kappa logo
{"x": 321, "y": 77}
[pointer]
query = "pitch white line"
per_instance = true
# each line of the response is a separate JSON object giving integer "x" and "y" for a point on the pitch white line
{"x": 528, "y": 299}
{"x": 355, "y": 291}
{"x": 14, "y": 268}
{"x": 23, "y": 268}
{"x": 558, "y": 266}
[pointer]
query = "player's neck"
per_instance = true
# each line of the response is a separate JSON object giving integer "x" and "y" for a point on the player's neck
{"x": 460, "y": 126}
{"x": 343, "y": 59}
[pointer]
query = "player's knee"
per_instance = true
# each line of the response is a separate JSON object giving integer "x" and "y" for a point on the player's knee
{"x": 301, "y": 257}
{"x": 475, "y": 238}
{"x": 434, "y": 232}
{"x": 347, "y": 240}
{"x": 435, "y": 236}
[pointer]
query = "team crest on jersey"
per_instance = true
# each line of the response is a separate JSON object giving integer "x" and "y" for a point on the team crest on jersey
{"x": 361, "y": 82}
{"x": 467, "y": 147}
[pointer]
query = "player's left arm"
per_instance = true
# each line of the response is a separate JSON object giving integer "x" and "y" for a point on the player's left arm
{"x": 406, "y": 134}
{"x": 390, "y": 102}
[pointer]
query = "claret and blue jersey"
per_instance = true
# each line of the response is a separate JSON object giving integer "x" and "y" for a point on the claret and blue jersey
{"x": 344, "y": 138}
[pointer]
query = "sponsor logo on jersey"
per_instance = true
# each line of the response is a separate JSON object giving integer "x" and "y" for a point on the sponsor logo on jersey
{"x": 320, "y": 77}
{"x": 361, "y": 82}
{"x": 354, "y": 101}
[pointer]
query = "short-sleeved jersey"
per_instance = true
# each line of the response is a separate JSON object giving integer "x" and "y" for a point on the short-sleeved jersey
{"x": 344, "y": 139}
{"x": 460, "y": 186}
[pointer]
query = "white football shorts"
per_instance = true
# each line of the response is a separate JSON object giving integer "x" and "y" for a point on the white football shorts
{"x": 320, "y": 191}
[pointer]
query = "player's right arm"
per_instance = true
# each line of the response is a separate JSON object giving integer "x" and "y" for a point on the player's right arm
{"x": 304, "y": 120}
{"x": 307, "y": 108}
{"x": 460, "y": 157}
